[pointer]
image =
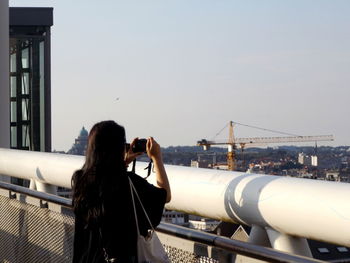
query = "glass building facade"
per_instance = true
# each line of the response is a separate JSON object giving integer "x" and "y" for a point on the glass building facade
{"x": 30, "y": 82}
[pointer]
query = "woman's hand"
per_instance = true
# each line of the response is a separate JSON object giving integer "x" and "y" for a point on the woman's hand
{"x": 153, "y": 149}
{"x": 154, "y": 152}
{"x": 130, "y": 155}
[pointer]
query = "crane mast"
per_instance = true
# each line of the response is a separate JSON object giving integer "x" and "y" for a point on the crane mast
{"x": 231, "y": 158}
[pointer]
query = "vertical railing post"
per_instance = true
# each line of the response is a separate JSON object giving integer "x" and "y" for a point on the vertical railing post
{"x": 287, "y": 243}
{"x": 4, "y": 79}
{"x": 46, "y": 188}
{"x": 258, "y": 236}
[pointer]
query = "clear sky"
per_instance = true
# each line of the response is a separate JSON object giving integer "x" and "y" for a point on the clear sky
{"x": 181, "y": 70}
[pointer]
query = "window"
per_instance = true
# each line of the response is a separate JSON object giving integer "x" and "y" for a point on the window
{"x": 323, "y": 250}
{"x": 342, "y": 249}
{"x": 25, "y": 83}
{"x": 13, "y": 111}
{"x": 13, "y": 65}
{"x": 27, "y": 92}
{"x": 14, "y": 137}
{"x": 13, "y": 84}
{"x": 25, "y": 57}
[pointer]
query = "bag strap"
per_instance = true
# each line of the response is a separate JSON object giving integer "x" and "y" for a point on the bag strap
{"x": 132, "y": 190}
{"x": 133, "y": 204}
{"x": 133, "y": 165}
{"x": 105, "y": 254}
{"x": 148, "y": 168}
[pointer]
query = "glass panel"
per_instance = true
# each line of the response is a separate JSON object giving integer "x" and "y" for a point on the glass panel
{"x": 25, "y": 83}
{"x": 13, "y": 83}
{"x": 342, "y": 249}
{"x": 13, "y": 136}
{"x": 42, "y": 60}
{"x": 25, "y": 109}
{"x": 13, "y": 63}
{"x": 25, "y": 58}
{"x": 323, "y": 250}
{"x": 25, "y": 136}
{"x": 13, "y": 111}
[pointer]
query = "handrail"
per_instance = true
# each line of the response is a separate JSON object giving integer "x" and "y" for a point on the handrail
{"x": 235, "y": 246}
{"x": 36, "y": 194}
{"x": 220, "y": 242}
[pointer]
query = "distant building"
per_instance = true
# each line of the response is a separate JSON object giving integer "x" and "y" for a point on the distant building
{"x": 301, "y": 158}
{"x": 333, "y": 176}
{"x": 174, "y": 217}
{"x": 200, "y": 164}
{"x": 307, "y": 160}
{"x": 80, "y": 144}
{"x": 314, "y": 161}
{"x": 306, "y": 175}
{"x": 233, "y": 231}
{"x": 220, "y": 166}
{"x": 205, "y": 224}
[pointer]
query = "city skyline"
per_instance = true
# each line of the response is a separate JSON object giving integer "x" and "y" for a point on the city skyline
{"x": 179, "y": 71}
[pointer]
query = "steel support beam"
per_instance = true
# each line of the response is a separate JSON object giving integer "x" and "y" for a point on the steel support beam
{"x": 4, "y": 79}
{"x": 4, "y": 75}
{"x": 46, "y": 188}
{"x": 258, "y": 236}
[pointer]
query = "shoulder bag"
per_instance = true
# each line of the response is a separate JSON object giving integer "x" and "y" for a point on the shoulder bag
{"x": 149, "y": 249}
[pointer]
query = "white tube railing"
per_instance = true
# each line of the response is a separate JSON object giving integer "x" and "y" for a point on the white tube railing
{"x": 288, "y": 209}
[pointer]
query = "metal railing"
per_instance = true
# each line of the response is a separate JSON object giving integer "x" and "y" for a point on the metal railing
{"x": 58, "y": 210}
{"x": 281, "y": 210}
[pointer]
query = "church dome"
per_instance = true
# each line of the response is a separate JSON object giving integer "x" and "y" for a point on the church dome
{"x": 83, "y": 132}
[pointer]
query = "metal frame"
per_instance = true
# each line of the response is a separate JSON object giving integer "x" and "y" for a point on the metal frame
{"x": 33, "y": 24}
{"x": 4, "y": 76}
{"x": 19, "y": 123}
{"x": 32, "y": 98}
{"x": 13, "y": 189}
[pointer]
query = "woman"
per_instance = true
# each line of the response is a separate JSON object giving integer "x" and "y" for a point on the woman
{"x": 104, "y": 215}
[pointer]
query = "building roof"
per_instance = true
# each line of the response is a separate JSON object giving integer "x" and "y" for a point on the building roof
{"x": 83, "y": 132}
{"x": 31, "y": 16}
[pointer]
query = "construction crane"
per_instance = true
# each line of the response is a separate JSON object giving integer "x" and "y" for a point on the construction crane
{"x": 244, "y": 142}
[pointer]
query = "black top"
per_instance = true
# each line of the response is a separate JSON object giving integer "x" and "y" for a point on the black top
{"x": 118, "y": 222}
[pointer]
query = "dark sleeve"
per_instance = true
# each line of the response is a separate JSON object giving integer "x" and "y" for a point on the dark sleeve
{"x": 153, "y": 199}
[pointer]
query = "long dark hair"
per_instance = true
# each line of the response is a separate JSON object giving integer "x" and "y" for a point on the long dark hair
{"x": 104, "y": 162}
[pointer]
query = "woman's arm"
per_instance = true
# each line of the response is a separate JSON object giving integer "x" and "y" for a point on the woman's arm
{"x": 130, "y": 155}
{"x": 154, "y": 152}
